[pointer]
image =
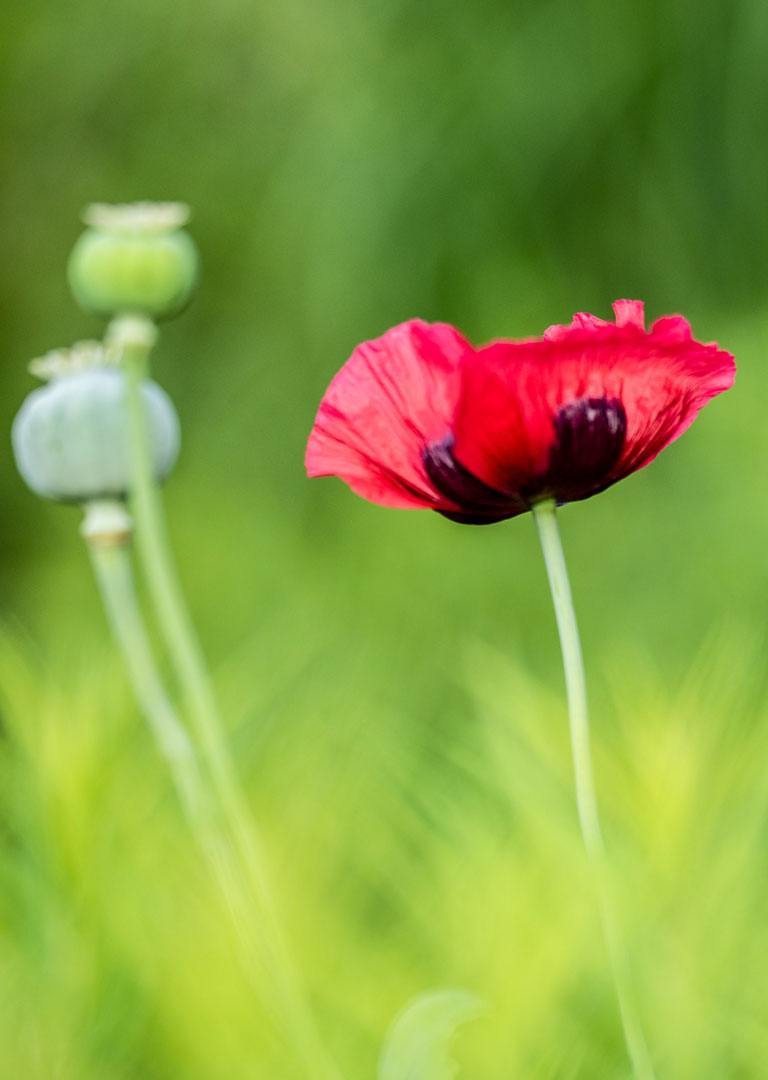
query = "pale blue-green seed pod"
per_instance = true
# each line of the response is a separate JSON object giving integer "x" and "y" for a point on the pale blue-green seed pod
{"x": 134, "y": 259}
{"x": 71, "y": 442}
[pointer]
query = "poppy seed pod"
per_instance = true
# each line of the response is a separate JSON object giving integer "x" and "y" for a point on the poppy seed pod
{"x": 71, "y": 440}
{"x": 134, "y": 258}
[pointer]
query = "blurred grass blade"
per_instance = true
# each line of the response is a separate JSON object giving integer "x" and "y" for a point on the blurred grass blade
{"x": 417, "y": 1046}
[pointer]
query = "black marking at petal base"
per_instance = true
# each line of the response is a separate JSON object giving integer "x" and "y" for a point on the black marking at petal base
{"x": 589, "y": 439}
{"x": 478, "y": 504}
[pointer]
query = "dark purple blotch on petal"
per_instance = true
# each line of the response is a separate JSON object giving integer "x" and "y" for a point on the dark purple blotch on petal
{"x": 589, "y": 439}
{"x": 480, "y": 504}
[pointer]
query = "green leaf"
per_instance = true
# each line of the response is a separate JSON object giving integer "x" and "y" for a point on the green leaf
{"x": 418, "y": 1043}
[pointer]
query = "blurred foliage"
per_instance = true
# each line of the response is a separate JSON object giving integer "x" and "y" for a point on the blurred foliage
{"x": 418, "y": 1044}
{"x": 497, "y": 165}
{"x": 406, "y": 856}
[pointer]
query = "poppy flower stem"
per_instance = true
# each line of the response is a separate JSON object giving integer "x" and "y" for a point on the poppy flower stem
{"x": 134, "y": 336}
{"x": 544, "y": 515}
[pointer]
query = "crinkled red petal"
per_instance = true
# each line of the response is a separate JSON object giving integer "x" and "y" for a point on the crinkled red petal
{"x": 665, "y": 386}
{"x": 394, "y": 395}
{"x": 512, "y": 393}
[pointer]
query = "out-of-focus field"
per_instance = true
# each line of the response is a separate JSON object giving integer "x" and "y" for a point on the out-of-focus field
{"x": 391, "y": 681}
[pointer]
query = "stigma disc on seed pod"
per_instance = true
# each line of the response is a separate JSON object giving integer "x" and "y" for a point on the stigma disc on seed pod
{"x": 134, "y": 258}
{"x": 71, "y": 440}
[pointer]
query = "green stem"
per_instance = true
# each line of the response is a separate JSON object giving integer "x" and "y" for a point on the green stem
{"x": 110, "y": 558}
{"x": 546, "y": 524}
{"x": 135, "y": 337}
{"x": 111, "y": 561}
{"x": 114, "y": 577}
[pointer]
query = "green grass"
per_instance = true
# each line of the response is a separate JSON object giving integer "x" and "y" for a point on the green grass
{"x": 421, "y": 835}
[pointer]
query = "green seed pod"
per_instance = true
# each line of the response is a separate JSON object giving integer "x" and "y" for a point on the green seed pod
{"x": 134, "y": 259}
{"x": 71, "y": 442}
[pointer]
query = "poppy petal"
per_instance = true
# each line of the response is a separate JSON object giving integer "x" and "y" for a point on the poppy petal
{"x": 503, "y": 427}
{"x": 664, "y": 391}
{"x": 395, "y": 395}
{"x": 629, "y": 313}
{"x": 509, "y": 428}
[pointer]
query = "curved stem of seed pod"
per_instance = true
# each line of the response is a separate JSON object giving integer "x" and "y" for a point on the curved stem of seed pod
{"x": 107, "y": 534}
{"x": 546, "y": 524}
{"x": 135, "y": 338}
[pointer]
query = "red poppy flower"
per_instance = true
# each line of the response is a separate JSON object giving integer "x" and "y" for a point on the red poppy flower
{"x": 421, "y": 418}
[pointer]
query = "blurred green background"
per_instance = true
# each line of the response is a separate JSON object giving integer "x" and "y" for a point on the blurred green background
{"x": 391, "y": 681}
